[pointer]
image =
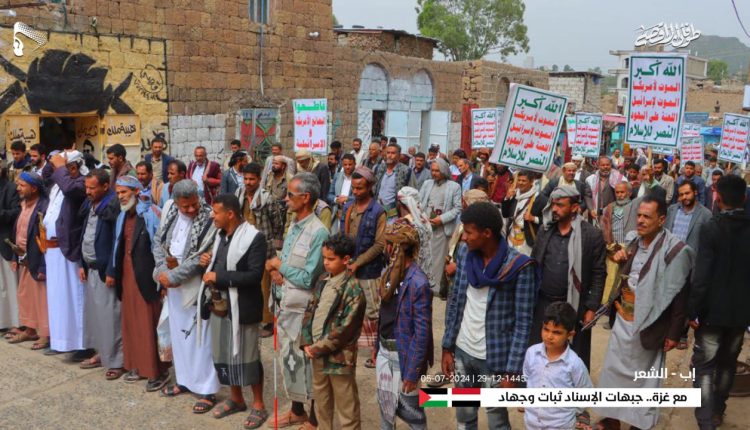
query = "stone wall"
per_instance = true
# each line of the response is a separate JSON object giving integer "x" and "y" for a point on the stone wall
{"x": 400, "y": 44}
{"x": 486, "y": 83}
{"x": 584, "y": 94}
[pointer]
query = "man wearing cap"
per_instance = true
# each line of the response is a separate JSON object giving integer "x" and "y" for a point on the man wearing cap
{"x": 567, "y": 179}
{"x": 364, "y": 221}
{"x": 65, "y": 295}
{"x": 102, "y": 307}
{"x": 139, "y": 296}
{"x": 307, "y": 163}
{"x": 29, "y": 260}
{"x": 391, "y": 176}
{"x": 441, "y": 200}
{"x": 571, "y": 254}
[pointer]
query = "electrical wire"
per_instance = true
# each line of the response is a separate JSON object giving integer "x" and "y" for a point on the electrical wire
{"x": 739, "y": 19}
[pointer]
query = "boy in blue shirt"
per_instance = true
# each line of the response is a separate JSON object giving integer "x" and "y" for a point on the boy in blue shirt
{"x": 554, "y": 364}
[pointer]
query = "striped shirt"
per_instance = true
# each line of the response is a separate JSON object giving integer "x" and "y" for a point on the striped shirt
{"x": 682, "y": 223}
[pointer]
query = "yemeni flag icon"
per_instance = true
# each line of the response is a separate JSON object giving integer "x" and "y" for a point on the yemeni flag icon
{"x": 449, "y": 397}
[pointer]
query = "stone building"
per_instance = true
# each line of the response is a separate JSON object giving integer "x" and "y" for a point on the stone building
{"x": 584, "y": 90}
{"x": 206, "y": 72}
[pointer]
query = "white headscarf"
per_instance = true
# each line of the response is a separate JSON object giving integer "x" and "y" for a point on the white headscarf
{"x": 409, "y": 197}
{"x": 75, "y": 156}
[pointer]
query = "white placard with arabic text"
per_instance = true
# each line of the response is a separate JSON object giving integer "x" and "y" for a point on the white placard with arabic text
{"x": 734, "y": 134}
{"x": 530, "y": 127}
{"x": 588, "y": 134}
{"x": 483, "y": 128}
{"x": 311, "y": 125}
{"x": 657, "y": 99}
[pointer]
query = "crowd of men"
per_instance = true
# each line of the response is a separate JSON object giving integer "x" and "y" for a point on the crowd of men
{"x": 139, "y": 269}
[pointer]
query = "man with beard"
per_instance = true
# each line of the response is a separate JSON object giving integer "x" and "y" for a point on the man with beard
{"x": 118, "y": 163}
{"x": 29, "y": 261}
{"x": 185, "y": 233}
{"x": 648, "y": 185}
{"x": 602, "y": 184}
{"x": 364, "y": 221}
{"x": 521, "y": 225}
{"x": 232, "y": 178}
{"x": 420, "y": 171}
{"x": 568, "y": 179}
{"x": 37, "y": 158}
{"x": 278, "y": 181}
{"x": 65, "y": 293}
{"x": 145, "y": 174}
{"x": 205, "y": 173}
{"x": 649, "y": 312}
{"x": 617, "y": 221}
{"x": 391, "y": 176}
{"x": 19, "y": 161}
{"x": 307, "y": 163}
{"x": 293, "y": 276}
{"x": 262, "y": 211}
{"x": 571, "y": 254}
{"x": 158, "y": 160}
{"x": 130, "y": 271}
{"x": 101, "y": 315}
{"x": 441, "y": 200}
{"x": 175, "y": 173}
{"x": 661, "y": 167}
{"x": 357, "y": 151}
{"x": 689, "y": 174}
{"x": 234, "y": 269}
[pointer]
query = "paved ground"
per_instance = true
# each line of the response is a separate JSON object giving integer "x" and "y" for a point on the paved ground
{"x": 46, "y": 393}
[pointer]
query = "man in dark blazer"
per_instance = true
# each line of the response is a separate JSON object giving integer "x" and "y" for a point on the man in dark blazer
{"x": 205, "y": 173}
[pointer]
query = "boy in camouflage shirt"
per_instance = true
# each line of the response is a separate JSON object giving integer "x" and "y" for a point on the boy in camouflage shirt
{"x": 330, "y": 330}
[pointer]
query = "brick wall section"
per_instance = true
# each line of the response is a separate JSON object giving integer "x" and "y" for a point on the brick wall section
{"x": 190, "y": 131}
{"x": 485, "y": 83}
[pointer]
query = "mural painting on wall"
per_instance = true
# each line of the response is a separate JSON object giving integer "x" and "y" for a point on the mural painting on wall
{"x": 92, "y": 78}
{"x": 257, "y": 129}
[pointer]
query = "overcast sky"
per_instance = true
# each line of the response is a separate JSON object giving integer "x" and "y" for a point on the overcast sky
{"x": 576, "y": 32}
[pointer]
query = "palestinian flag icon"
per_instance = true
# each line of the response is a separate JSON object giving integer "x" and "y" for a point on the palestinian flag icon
{"x": 449, "y": 397}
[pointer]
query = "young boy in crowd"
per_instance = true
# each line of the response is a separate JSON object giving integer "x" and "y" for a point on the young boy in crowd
{"x": 554, "y": 364}
{"x": 330, "y": 331}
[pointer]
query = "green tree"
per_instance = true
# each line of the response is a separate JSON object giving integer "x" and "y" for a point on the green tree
{"x": 717, "y": 70}
{"x": 335, "y": 21}
{"x": 567, "y": 68}
{"x": 555, "y": 68}
{"x": 471, "y": 29}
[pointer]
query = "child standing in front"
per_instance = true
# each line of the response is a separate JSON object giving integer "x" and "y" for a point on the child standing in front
{"x": 554, "y": 364}
{"x": 330, "y": 330}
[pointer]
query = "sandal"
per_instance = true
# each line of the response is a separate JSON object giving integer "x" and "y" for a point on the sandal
{"x": 12, "y": 332}
{"x": 370, "y": 363}
{"x": 204, "y": 404}
{"x": 287, "y": 419}
{"x": 256, "y": 419}
{"x": 90, "y": 363}
{"x": 113, "y": 374}
{"x": 22, "y": 337}
{"x": 229, "y": 407}
{"x": 173, "y": 390}
{"x": 158, "y": 383}
{"x": 37, "y": 346}
{"x": 132, "y": 376}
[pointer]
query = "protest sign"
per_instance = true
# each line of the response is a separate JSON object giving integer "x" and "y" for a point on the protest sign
{"x": 570, "y": 127}
{"x": 656, "y": 98}
{"x": 691, "y": 130}
{"x": 483, "y": 128}
{"x": 734, "y": 135}
{"x": 691, "y": 149}
{"x": 529, "y": 129}
{"x": 311, "y": 125}
{"x": 588, "y": 134}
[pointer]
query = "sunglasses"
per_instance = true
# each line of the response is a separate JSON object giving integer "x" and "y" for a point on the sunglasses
{"x": 291, "y": 194}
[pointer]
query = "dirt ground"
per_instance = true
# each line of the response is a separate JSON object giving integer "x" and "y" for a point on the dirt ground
{"x": 45, "y": 392}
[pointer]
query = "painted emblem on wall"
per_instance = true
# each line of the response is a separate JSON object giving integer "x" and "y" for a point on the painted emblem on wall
{"x": 26, "y": 30}
{"x": 61, "y": 82}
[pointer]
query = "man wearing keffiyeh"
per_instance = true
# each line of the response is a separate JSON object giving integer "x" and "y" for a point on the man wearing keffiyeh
{"x": 571, "y": 255}
{"x": 405, "y": 330}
